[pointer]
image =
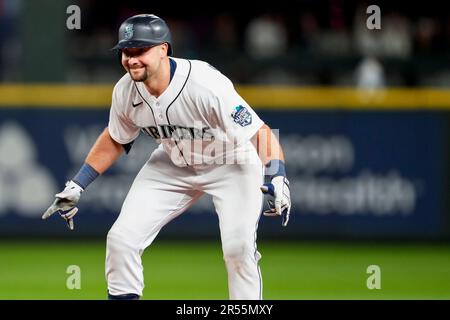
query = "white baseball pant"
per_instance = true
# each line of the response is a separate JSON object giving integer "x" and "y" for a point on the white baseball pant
{"x": 160, "y": 192}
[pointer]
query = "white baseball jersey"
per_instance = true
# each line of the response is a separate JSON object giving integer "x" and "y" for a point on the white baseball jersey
{"x": 198, "y": 119}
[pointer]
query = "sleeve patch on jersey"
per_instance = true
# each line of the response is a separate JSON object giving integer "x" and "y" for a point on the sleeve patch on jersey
{"x": 241, "y": 116}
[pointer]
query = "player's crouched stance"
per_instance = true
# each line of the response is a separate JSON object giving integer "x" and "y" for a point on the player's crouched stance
{"x": 168, "y": 98}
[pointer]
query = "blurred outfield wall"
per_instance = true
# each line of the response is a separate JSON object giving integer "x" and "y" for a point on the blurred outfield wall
{"x": 362, "y": 164}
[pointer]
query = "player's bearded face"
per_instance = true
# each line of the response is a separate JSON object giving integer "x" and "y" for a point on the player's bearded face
{"x": 137, "y": 61}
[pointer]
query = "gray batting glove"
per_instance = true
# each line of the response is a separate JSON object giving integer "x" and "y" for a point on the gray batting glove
{"x": 65, "y": 203}
{"x": 281, "y": 204}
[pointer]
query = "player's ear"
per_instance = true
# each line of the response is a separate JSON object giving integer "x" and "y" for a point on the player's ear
{"x": 119, "y": 56}
{"x": 165, "y": 49}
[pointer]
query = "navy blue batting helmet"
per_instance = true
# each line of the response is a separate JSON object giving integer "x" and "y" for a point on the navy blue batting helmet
{"x": 143, "y": 30}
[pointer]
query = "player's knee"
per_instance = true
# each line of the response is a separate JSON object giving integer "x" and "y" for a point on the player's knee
{"x": 237, "y": 251}
{"x": 116, "y": 243}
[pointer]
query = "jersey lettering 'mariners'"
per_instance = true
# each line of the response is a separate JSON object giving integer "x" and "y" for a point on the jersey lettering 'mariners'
{"x": 177, "y": 132}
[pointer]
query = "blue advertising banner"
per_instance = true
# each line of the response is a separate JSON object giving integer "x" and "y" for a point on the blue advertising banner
{"x": 364, "y": 173}
{"x": 352, "y": 173}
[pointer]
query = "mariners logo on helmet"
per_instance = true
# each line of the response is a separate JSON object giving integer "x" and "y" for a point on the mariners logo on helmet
{"x": 129, "y": 30}
{"x": 242, "y": 116}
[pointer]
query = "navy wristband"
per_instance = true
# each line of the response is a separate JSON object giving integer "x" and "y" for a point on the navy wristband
{"x": 275, "y": 168}
{"x": 85, "y": 176}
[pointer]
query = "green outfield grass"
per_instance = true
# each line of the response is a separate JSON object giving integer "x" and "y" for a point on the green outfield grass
{"x": 195, "y": 270}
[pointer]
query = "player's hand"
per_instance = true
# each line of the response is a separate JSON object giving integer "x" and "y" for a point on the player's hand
{"x": 281, "y": 204}
{"x": 65, "y": 203}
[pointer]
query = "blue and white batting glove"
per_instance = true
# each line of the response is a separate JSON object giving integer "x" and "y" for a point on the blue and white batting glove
{"x": 278, "y": 188}
{"x": 65, "y": 203}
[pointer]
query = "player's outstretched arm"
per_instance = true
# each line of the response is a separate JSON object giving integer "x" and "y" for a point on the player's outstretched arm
{"x": 102, "y": 155}
{"x": 272, "y": 156}
{"x": 104, "y": 152}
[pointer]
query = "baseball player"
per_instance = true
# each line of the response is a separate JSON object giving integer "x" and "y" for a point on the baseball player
{"x": 210, "y": 141}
